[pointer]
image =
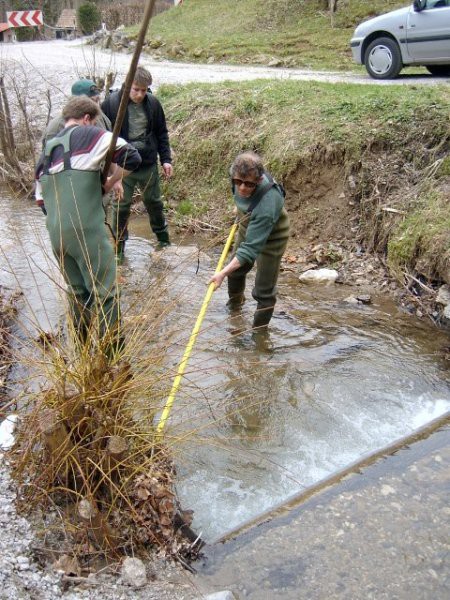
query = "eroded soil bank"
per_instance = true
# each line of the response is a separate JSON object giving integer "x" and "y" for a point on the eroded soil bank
{"x": 366, "y": 172}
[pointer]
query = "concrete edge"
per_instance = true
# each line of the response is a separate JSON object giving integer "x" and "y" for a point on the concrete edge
{"x": 366, "y": 460}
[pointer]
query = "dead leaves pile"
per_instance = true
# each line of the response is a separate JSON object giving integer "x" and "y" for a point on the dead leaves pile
{"x": 155, "y": 506}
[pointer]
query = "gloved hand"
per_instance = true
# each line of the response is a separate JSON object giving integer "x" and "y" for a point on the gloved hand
{"x": 41, "y": 205}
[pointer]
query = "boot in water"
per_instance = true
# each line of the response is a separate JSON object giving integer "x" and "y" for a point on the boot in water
{"x": 235, "y": 303}
{"x": 163, "y": 240}
{"x": 262, "y": 317}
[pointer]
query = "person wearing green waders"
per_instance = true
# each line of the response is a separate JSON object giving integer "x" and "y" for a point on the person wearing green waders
{"x": 262, "y": 237}
{"x": 69, "y": 191}
{"x": 144, "y": 127}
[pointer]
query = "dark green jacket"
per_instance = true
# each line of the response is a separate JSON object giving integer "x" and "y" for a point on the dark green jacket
{"x": 157, "y": 136}
{"x": 264, "y": 227}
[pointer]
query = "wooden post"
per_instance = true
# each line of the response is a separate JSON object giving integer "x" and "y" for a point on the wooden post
{"x": 58, "y": 443}
{"x": 116, "y": 449}
{"x": 127, "y": 85}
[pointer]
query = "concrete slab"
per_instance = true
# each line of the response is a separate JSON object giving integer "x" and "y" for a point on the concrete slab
{"x": 383, "y": 533}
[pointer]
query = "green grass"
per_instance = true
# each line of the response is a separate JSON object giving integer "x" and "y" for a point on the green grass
{"x": 296, "y": 33}
{"x": 290, "y": 123}
{"x": 423, "y": 236}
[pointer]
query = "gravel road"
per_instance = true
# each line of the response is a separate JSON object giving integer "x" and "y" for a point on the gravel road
{"x": 60, "y": 61}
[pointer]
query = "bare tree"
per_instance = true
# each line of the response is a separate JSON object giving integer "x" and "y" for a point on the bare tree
{"x": 332, "y": 7}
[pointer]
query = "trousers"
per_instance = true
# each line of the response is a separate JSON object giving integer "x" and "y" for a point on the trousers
{"x": 147, "y": 179}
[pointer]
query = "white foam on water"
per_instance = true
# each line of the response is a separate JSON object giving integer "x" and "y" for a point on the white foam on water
{"x": 430, "y": 410}
{"x": 304, "y": 443}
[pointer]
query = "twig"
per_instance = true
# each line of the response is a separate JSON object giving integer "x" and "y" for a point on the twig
{"x": 422, "y": 285}
{"x": 393, "y": 210}
{"x": 83, "y": 580}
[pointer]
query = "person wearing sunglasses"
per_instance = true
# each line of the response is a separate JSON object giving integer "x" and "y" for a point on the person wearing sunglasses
{"x": 262, "y": 237}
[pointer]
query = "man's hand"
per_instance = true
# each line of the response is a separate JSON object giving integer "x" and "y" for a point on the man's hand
{"x": 217, "y": 279}
{"x": 118, "y": 190}
{"x": 168, "y": 170}
{"x": 108, "y": 185}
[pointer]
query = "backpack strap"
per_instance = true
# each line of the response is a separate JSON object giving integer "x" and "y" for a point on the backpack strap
{"x": 262, "y": 191}
{"x": 50, "y": 146}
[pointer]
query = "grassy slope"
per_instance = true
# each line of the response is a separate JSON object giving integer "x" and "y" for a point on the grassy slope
{"x": 292, "y": 123}
{"x": 296, "y": 32}
{"x": 288, "y": 121}
{"x": 297, "y": 125}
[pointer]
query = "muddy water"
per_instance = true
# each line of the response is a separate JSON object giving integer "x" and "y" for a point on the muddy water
{"x": 257, "y": 418}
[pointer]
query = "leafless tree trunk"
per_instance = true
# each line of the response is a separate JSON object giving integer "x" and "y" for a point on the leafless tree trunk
{"x": 8, "y": 146}
{"x": 332, "y": 7}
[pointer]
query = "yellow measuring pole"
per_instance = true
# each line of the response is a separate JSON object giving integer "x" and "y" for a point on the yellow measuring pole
{"x": 182, "y": 366}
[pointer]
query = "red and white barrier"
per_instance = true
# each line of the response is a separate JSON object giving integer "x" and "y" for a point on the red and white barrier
{"x": 24, "y": 18}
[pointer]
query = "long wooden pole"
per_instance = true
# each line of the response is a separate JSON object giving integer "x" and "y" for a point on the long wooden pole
{"x": 127, "y": 85}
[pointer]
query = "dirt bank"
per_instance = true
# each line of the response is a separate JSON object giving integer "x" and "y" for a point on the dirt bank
{"x": 350, "y": 220}
{"x": 366, "y": 171}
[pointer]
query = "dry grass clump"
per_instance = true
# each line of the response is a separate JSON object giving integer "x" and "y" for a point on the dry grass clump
{"x": 7, "y": 313}
{"x": 83, "y": 446}
{"x": 87, "y": 445}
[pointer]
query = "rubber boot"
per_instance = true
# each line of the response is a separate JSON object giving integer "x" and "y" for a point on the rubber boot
{"x": 236, "y": 296}
{"x": 262, "y": 317}
{"x": 163, "y": 239}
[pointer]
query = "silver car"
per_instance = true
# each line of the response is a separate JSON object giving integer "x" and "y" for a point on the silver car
{"x": 416, "y": 35}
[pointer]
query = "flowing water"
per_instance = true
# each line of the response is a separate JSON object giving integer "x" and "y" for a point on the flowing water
{"x": 257, "y": 418}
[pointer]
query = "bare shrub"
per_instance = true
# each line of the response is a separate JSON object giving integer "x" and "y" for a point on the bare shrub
{"x": 86, "y": 442}
{"x": 128, "y": 12}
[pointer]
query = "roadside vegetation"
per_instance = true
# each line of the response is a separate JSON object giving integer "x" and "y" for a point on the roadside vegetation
{"x": 279, "y": 32}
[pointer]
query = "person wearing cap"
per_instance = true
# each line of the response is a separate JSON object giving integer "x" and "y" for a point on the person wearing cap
{"x": 69, "y": 191}
{"x": 144, "y": 127}
{"x": 262, "y": 237}
{"x": 82, "y": 87}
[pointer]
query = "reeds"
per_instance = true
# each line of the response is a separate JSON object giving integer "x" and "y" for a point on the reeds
{"x": 86, "y": 441}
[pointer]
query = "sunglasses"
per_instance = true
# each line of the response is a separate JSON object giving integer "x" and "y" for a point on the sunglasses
{"x": 250, "y": 185}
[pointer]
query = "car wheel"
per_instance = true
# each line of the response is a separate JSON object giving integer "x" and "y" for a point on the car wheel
{"x": 382, "y": 58}
{"x": 439, "y": 70}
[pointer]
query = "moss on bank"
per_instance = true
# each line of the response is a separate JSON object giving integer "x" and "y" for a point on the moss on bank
{"x": 422, "y": 240}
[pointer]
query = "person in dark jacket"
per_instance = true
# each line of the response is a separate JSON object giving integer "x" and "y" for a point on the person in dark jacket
{"x": 144, "y": 127}
{"x": 69, "y": 191}
{"x": 262, "y": 237}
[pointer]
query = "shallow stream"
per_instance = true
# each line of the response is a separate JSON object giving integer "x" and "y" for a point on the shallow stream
{"x": 258, "y": 418}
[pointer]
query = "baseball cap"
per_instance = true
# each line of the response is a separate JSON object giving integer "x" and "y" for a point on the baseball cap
{"x": 85, "y": 87}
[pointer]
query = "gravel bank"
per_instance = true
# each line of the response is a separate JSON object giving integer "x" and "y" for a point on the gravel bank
{"x": 22, "y": 578}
